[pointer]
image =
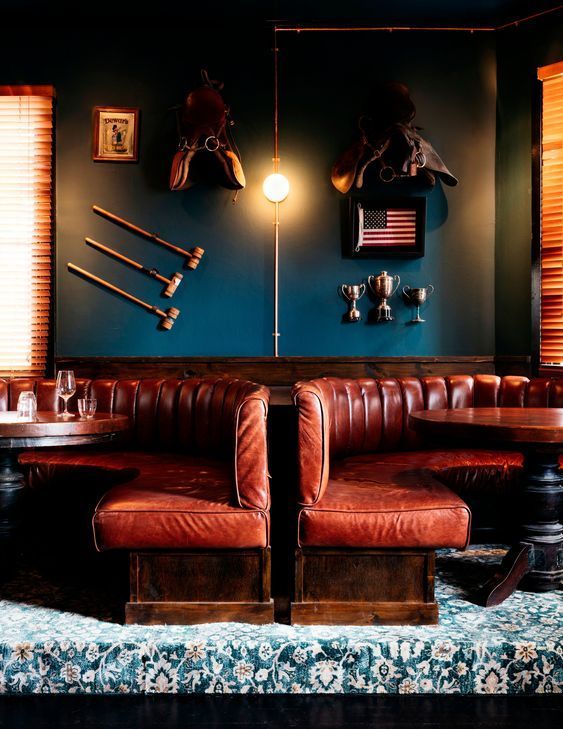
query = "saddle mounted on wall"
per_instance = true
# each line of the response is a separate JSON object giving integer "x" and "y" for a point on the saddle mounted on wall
{"x": 206, "y": 150}
{"x": 389, "y": 139}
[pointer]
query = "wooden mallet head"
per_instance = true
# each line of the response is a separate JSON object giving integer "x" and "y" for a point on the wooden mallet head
{"x": 175, "y": 280}
{"x": 196, "y": 254}
{"x": 169, "y": 317}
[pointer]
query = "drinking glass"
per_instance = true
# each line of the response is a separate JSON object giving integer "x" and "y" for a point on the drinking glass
{"x": 27, "y": 406}
{"x": 87, "y": 407}
{"x": 66, "y": 387}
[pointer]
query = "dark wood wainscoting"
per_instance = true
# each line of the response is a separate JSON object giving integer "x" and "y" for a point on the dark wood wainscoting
{"x": 283, "y": 371}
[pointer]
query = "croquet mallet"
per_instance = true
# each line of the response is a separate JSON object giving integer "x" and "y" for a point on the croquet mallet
{"x": 167, "y": 318}
{"x": 171, "y": 284}
{"x": 192, "y": 257}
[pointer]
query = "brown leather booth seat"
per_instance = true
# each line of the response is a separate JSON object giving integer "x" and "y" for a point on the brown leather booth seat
{"x": 166, "y": 500}
{"x": 356, "y": 447}
{"x": 178, "y": 506}
{"x": 367, "y": 481}
{"x": 191, "y": 474}
{"x": 194, "y": 463}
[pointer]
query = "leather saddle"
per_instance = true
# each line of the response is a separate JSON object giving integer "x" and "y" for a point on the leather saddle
{"x": 206, "y": 150}
{"x": 389, "y": 139}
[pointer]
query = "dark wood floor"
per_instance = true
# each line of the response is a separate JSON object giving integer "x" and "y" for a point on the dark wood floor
{"x": 287, "y": 712}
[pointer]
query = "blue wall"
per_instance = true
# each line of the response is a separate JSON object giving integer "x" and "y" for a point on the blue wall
{"x": 227, "y": 303}
{"x": 452, "y": 80}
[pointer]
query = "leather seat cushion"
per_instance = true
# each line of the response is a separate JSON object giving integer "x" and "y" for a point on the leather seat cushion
{"x": 435, "y": 460}
{"x": 381, "y": 500}
{"x": 403, "y": 512}
{"x": 168, "y": 500}
{"x": 479, "y": 476}
{"x": 166, "y": 513}
{"x": 47, "y": 468}
{"x": 51, "y": 467}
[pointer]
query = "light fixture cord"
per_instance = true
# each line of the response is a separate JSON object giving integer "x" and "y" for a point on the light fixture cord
{"x": 276, "y": 277}
{"x": 276, "y": 161}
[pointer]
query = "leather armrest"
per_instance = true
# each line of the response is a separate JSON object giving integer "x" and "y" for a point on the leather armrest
{"x": 251, "y": 450}
{"x": 313, "y": 446}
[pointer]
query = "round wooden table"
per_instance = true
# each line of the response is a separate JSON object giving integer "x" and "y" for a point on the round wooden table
{"x": 536, "y": 559}
{"x": 46, "y": 431}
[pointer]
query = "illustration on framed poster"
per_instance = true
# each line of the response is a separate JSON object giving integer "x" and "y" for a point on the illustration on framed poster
{"x": 115, "y": 134}
{"x": 385, "y": 227}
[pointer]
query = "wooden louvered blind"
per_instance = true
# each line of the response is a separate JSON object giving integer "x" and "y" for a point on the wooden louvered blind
{"x": 551, "y": 211}
{"x": 26, "y": 227}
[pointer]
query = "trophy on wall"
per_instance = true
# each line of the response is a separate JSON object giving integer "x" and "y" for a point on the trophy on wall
{"x": 417, "y": 297}
{"x": 383, "y": 287}
{"x": 352, "y": 293}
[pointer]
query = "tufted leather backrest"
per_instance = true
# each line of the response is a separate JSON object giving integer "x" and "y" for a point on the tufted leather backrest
{"x": 370, "y": 415}
{"x": 193, "y": 415}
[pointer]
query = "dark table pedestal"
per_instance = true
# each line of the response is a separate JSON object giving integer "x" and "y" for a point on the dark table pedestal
{"x": 12, "y": 485}
{"x": 535, "y": 562}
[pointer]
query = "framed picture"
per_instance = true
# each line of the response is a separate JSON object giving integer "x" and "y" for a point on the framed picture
{"x": 384, "y": 227}
{"x": 115, "y": 135}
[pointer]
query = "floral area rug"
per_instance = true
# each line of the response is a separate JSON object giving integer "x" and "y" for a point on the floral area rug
{"x": 511, "y": 649}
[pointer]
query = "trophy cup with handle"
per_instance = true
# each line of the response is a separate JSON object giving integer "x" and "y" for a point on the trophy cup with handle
{"x": 383, "y": 287}
{"x": 417, "y": 297}
{"x": 352, "y": 293}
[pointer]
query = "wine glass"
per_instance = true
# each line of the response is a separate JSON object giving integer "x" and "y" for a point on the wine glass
{"x": 66, "y": 387}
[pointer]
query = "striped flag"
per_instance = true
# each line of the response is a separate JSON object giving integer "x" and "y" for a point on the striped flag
{"x": 386, "y": 227}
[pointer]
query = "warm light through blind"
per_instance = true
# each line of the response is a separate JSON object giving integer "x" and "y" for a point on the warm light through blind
{"x": 26, "y": 211}
{"x": 551, "y": 326}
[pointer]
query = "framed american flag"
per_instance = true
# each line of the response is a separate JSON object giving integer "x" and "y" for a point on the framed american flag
{"x": 385, "y": 227}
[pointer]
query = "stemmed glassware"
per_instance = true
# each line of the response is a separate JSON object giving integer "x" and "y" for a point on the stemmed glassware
{"x": 66, "y": 387}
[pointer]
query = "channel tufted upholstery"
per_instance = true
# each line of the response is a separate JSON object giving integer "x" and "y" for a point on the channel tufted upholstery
{"x": 191, "y": 473}
{"x": 366, "y": 479}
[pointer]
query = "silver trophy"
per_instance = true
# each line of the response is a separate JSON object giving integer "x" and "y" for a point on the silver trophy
{"x": 417, "y": 297}
{"x": 352, "y": 293}
{"x": 382, "y": 287}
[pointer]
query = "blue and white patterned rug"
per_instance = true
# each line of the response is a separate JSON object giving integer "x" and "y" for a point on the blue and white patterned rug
{"x": 512, "y": 649}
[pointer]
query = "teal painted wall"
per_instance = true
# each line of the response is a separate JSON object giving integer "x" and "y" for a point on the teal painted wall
{"x": 453, "y": 83}
{"x": 227, "y": 304}
{"x": 520, "y": 52}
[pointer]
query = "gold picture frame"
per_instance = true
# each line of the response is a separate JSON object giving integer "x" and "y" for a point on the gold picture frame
{"x": 115, "y": 136}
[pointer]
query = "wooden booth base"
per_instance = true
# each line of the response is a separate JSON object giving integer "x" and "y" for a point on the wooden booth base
{"x": 364, "y": 587}
{"x": 193, "y": 613}
{"x": 363, "y": 613}
{"x": 200, "y": 587}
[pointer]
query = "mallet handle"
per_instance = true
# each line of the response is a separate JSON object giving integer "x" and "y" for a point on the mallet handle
{"x": 140, "y": 231}
{"x": 129, "y": 261}
{"x": 116, "y": 289}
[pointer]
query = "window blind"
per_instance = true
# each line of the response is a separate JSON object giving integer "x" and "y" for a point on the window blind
{"x": 551, "y": 211}
{"x": 26, "y": 227}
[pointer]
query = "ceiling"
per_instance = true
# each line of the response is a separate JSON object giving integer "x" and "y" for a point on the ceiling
{"x": 440, "y": 12}
{"x": 375, "y": 12}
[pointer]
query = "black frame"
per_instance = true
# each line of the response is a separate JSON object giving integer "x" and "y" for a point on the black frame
{"x": 350, "y": 230}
